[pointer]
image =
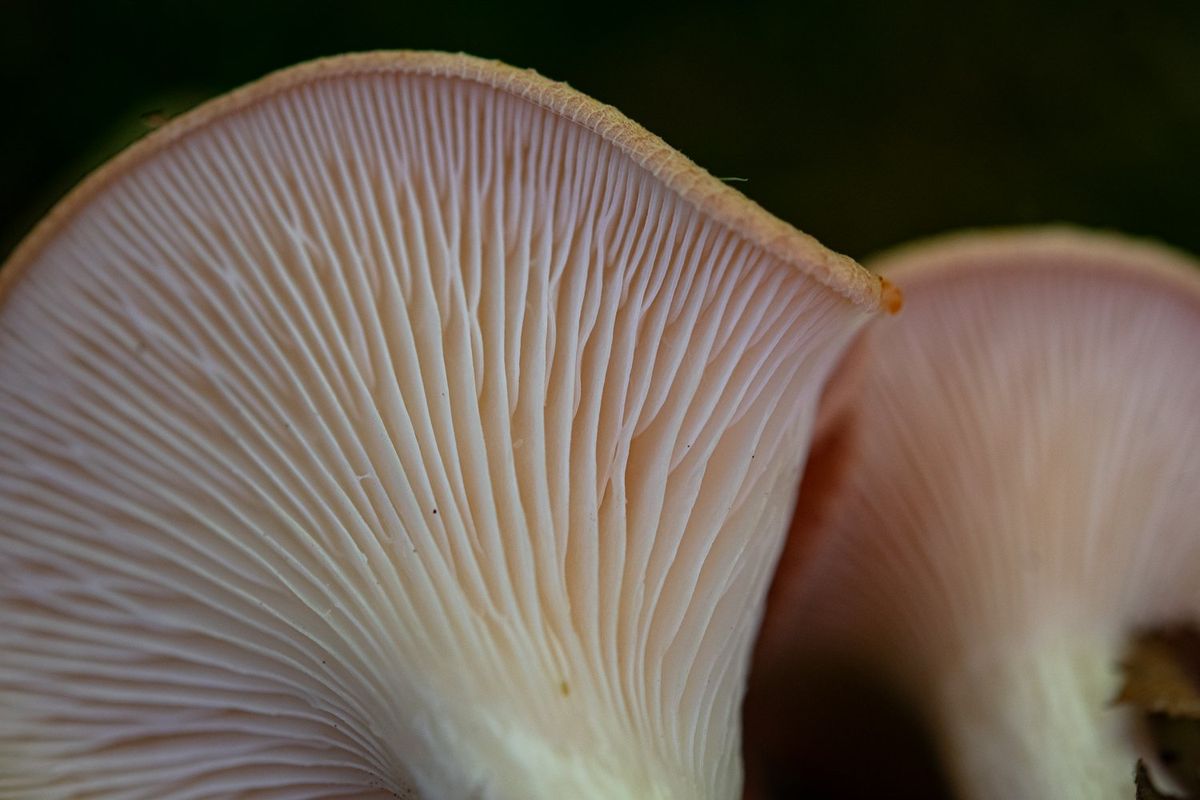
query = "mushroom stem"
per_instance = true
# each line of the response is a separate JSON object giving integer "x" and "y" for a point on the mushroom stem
{"x": 1036, "y": 719}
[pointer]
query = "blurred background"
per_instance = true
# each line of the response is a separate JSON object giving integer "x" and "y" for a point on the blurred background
{"x": 864, "y": 124}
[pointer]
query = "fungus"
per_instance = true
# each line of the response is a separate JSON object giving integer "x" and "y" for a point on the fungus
{"x": 401, "y": 425}
{"x": 1020, "y": 499}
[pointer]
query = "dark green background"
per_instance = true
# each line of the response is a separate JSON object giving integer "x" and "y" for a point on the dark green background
{"x": 864, "y": 124}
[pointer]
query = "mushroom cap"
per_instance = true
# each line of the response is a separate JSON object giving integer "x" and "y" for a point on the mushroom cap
{"x": 1019, "y": 478}
{"x": 400, "y": 425}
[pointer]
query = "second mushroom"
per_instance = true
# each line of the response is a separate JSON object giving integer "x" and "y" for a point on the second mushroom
{"x": 1016, "y": 498}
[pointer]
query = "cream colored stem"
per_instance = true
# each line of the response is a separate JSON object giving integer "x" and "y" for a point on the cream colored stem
{"x": 1036, "y": 722}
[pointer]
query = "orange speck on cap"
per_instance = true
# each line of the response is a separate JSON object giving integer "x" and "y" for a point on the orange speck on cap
{"x": 890, "y": 296}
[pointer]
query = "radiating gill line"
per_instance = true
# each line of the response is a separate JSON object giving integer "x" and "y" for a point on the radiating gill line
{"x": 336, "y": 447}
{"x": 115, "y": 400}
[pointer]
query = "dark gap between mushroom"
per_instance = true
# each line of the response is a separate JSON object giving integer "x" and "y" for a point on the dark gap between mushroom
{"x": 1162, "y": 682}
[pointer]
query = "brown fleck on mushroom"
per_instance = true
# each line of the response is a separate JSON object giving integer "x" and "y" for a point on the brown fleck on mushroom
{"x": 400, "y": 425}
{"x": 1018, "y": 496}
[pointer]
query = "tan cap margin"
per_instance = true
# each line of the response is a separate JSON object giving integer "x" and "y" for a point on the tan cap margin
{"x": 1059, "y": 246}
{"x": 709, "y": 195}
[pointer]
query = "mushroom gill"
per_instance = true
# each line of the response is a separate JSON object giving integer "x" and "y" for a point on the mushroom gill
{"x": 400, "y": 425}
{"x": 1016, "y": 497}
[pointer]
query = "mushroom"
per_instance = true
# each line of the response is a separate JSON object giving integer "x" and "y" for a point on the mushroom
{"x": 1015, "y": 497}
{"x": 400, "y": 425}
